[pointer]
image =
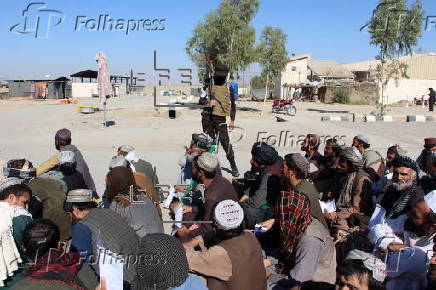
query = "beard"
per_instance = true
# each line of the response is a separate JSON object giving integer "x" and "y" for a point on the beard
{"x": 401, "y": 185}
{"x": 432, "y": 174}
{"x": 196, "y": 178}
{"x": 304, "y": 148}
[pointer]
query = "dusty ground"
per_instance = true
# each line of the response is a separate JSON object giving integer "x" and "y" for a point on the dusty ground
{"x": 28, "y": 129}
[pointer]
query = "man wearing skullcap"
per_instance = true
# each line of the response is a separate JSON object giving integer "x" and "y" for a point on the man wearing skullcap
{"x": 296, "y": 169}
{"x": 139, "y": 165}
{"x": 99, "y": 227}
{"x": 259, "y": 198}
{"x": 373, "y": 161}
{"x": 392, "y": 152}
{"x": 170, "y": 271}
{"x": 402, "y": 189}
{"x": 429, "y": 148}
{"x": 66, "y": 172}
{"x": 63, "y": 143}
{"x": 409, "y": 240}
{"x": 352, "y": 192}
{"x": 217, "y": 189}
{"x": 236, "y": 262}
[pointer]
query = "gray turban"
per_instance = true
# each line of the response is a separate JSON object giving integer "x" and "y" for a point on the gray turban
{"x": 349, "y": 154}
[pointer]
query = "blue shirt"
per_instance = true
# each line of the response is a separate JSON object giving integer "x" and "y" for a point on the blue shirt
{"x": 192, "y": 283}
{"x": 81, "y": 241}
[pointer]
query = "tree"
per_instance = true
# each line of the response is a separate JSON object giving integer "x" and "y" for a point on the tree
{"x": 272, "y": 55}
{"x": 225, "y": 34}
{"x": 395, "y": 31}
{"x": 257, "y": 82}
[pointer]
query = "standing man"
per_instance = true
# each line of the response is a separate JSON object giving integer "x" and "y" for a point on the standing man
{"x": 222, "y": 104}
{"x": 429, "y": 148}
{"x": 431, "y": 99}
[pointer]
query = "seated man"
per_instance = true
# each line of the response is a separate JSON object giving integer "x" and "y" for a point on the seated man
{"x": 235, "y": 262}
{"x": 296, "y": 168}
{"x": 307, "y": 256}
{"x": 402, "y": 190}
{"x": 373, "y": 162}
{"x": 63, "y": 143}
{"x": 361, "y": 270}
{"x": 259, "y": 199}
{"x": 217, "y": 189}
{"x": 66, "y": 173}
{"x": 310, "y": 146}
{"x": 51, "y": 267}
{"x": 408, "y": 241}
{"x": 47, "y": 195}
{"x": 428, "y": 182}
{"x": 96, "y": 228}
{"x": 352, "y": 192}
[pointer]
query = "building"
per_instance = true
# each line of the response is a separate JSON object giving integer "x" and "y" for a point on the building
{"x": 311, "y": 76}
{"x": 59, "y": 88}
{"x": 84, "y": 84}
{"x": 421, "y": 76}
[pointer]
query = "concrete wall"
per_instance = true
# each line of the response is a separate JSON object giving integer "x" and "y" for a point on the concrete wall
{"x": 296, "y": 72}
{"x": 407, "y": 89}
{"x": 84, "y": 90}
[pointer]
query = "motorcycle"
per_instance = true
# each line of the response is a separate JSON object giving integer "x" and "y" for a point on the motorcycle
{"x": 284, "y": 105}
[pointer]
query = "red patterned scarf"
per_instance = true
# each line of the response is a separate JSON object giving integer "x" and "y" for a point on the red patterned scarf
{"x": 57, "y": 266}
{"x": 293, "y": 209}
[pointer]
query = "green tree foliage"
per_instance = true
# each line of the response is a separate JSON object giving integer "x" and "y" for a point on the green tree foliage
{"x": 395, "y": 29}
{"x": 258, "y": 82}
{"x": 227, "y": 35}
{"x": 342, "y": 96}
{"x": 272, "y": 54}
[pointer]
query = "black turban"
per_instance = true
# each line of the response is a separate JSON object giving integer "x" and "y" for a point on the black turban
{"x": 264, "y": 154}
{"x": 162, "y": 262}
{"x": 404, "y": 161}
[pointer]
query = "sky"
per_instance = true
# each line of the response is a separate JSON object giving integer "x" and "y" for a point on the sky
{"x": 328, "y": 30}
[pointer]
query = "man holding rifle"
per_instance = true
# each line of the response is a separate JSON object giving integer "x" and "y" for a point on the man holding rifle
{"x": 221, "y": 105}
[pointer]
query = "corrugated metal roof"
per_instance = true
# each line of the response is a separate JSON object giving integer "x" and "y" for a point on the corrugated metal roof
{"x": 421, "y": 66}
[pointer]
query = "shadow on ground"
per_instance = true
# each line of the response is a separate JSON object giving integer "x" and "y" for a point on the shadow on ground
{"x": 327, "y": 111}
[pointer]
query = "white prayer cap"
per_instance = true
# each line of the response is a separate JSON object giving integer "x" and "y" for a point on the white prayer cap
{"x": 363, "y": 138}
{"x": 228, "y": 215}
{"x": 208, "y": 162}
{"x": 8, "y": 182}
{"x": 430, "y": 200}
{"x": 67, "y": 157}
{"x": 377, "y": 266}
{"x": 118, "y": 161}
{"x": 126, "y": 148}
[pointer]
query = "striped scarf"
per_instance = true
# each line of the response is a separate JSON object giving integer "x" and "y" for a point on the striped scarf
{"x": 403, "y": 203}
{"x": 293, "y": 210}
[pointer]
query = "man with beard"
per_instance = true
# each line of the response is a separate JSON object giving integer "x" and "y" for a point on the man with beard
{"x": 259, "y": 199}
{"x": 352, "y": 192}
{"x": 217, "y": 189}
{"x": 428, "y": 182}
{"x": 393, "y": 151}
{"x": 63, "y": 143}
{"x": 408, "y": 240}
{"x": 429, "y": 148}
{"x": 310, "y": 146}
{"x": 373, "y": 162}
{"x": 402, "y": 189}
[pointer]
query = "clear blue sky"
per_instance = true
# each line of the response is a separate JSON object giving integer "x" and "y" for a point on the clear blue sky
{"x": 325, "y": 29}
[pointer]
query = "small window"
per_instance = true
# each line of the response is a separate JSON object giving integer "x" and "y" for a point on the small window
{"x": 294, "y": 68}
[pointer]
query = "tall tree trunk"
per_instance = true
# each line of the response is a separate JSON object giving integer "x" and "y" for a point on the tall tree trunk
{"x": 266, "y": 94}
